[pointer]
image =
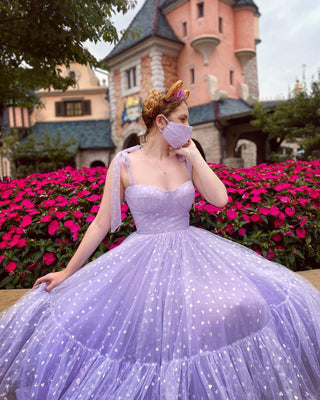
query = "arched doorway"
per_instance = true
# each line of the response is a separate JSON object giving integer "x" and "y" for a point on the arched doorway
{"x": 247, "y": 150}
{"x": 130, "y": 141}
{"x": 97, "y": 163}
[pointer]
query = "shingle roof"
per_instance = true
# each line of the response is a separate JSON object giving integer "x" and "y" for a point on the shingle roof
{"x": 206, "y": 112}
{"x": 245, "y": 3}
{"x": 90, "y": 134}
{"x": 149, "y": 22}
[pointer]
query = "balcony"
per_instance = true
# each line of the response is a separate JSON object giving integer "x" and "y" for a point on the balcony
{"x": 205, "y": 44}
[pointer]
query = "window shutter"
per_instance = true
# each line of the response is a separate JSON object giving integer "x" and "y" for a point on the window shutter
{"x": 59, "y": 108}
{"x": 86, "y": 107}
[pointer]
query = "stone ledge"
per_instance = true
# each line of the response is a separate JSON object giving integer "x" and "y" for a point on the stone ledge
{"x": 9, "y": 297}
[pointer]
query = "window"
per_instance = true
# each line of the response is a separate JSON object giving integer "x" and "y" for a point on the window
{"x": 200, "y": 10}
{"x": 192, "y": 76}
{"x": 131, "y": 78}
{"x": 220, "y": 25}
{"x": 73, "y": 108}
{"x": 130, "y": 75}
{"x": 185, "y": 29}
{"x": 231, "y": 76}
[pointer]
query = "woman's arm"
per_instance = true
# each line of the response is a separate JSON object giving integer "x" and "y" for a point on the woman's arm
{"x": 94, "y": 235}
{"x": 206, "y": 181}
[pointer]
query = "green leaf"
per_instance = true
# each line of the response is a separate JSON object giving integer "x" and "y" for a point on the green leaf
{"x": 6, "y": 280}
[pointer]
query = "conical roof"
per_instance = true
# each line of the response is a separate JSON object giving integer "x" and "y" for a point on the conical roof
{"x": 149, "y": 21}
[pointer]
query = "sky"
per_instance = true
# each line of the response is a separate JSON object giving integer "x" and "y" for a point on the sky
{"x": 289, "y": 48}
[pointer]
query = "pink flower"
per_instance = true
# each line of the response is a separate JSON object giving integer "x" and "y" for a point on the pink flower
{"x": 22, "y": 243}
{"x": 270, "y": 255}
{"x": 60, "y": 214}
{"x": 278, "y": 222}
{"x": 290, "y": 211}
{"x": 274, "y": 210}
{"x": 95, "y": 209}
{"x": 72, "y": 226}
{"x": 26, "y": 220}
{"x": 210, "y": 208}
{"x": 303, "y": 202}
{"x": 264, "y": 210}
{"x": 48, "y": 203}
{"x": 237, "y": 177}
{"x": 256, "y": 218}
{"x": 242, "y": 231}
{"x": 48, "y": 258}
{"x": 11, "y": 266}
{"x": 46, "y": 218}
{"x": 83, "y": 193}
{"x": 255, "y": 199}
{"x": 77, "y": 214}
{"x": 301, "y": 233}
{"x": 27, "y": 203}
{"x": 284, "y": 199}
{"x": 124, "y": 207}
{"x": 61, "y": 201}
{"x": 90, "y": 218}
{"x": 94, "y": 197}
{"x": 257, "y": 191}
{"x": 282, "y": 186}
{"x": 53, "y": 227}
{"x": 31, "y": 267}
{"x": 277, "y": 237}
{"x": 232, "y": 214}
{"x": 1, "y": 258}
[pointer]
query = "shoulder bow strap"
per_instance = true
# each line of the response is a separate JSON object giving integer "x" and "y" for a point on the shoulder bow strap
{"x": 115, "y": 188}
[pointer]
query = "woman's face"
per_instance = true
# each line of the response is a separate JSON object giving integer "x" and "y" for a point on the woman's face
{"x": 180, "y": 115}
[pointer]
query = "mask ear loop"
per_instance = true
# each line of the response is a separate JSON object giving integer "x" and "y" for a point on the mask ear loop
{"x": 167, "y": 121}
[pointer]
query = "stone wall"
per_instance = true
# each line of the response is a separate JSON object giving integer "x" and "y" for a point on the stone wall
{"x": 210, "y": 139}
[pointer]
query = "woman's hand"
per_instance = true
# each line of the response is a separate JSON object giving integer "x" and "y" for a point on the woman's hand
{"x": 54, "y": 278}
{"x": 187, "y": 149}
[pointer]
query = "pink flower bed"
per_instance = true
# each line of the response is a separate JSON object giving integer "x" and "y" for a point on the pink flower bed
{"x": 275, "y": 210}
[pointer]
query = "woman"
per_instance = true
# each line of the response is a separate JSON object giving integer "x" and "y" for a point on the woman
{"x": 174, "y": 312}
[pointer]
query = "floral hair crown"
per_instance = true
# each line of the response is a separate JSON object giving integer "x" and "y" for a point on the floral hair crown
{"x": 175, "y": 93}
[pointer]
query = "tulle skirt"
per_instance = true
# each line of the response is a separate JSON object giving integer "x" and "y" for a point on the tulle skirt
{"x": 176, "y": 315}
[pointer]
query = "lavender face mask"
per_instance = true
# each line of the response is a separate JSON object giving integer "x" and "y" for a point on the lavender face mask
{"x": 176, "y": 134}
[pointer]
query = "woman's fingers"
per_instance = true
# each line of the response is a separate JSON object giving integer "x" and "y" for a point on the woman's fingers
{"x": 41, "y": 280}
{"x": 50, "y": 286}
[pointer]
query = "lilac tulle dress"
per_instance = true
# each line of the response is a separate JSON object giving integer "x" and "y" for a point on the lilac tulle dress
{"x": 173, "y": 313}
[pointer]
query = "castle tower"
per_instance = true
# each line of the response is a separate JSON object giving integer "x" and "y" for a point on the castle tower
{"x": 209, "y": 44}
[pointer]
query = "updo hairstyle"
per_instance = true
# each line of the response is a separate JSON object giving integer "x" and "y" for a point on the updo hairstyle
{"x": 161, "y": 103}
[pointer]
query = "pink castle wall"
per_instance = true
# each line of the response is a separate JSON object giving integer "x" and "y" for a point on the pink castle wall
{"x": 238, "y": 33}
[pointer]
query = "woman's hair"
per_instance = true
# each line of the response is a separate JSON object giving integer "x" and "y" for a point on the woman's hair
{"x": 161, "y": 103}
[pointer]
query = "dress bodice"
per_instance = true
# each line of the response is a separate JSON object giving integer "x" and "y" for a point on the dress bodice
{"x": 156, "y": 210}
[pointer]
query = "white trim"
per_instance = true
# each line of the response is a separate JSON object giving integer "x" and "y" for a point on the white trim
{"x": 112, "y": 106}
{"x": 123, "y": 78}
{"x": 157, "y": 73}
{"x": 55, "y": 93}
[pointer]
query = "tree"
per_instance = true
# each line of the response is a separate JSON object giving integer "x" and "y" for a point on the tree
{"x": 297, "y": 119}
{"x": 29, "y": 155}
{"x": 36, "y": 36}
